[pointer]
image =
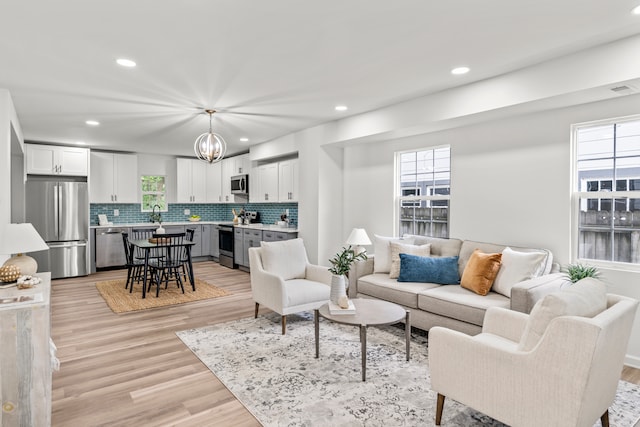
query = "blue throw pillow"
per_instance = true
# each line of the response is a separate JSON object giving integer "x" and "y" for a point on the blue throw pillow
{"x": 415, "y": 268}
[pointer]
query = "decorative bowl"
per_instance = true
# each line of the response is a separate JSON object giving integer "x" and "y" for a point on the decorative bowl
{"x": 194, "y": 219}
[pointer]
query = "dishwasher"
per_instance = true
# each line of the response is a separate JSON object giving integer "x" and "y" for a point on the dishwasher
{"x": 110, "y": 248}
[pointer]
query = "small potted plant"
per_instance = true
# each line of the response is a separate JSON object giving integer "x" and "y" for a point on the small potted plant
{"x": 575, "y": 272}
{"x": 340, "y": 266}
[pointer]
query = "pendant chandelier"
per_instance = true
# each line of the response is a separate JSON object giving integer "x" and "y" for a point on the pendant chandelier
{"x": 210, "y": 146}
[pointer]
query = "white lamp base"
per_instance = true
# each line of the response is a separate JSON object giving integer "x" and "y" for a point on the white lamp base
{"x": 27, "y": 265}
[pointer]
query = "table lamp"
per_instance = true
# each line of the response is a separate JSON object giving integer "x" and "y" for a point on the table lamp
{"x": 19, "y": 239}
{"x": 358, "y": 238}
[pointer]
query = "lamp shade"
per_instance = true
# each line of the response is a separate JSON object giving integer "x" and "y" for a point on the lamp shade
{"x": 358, "y": 237}
{"x": 19, "y": 239}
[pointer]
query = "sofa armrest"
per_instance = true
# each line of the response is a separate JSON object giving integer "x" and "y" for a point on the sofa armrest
{"x": 318, "y": 273}
{"x": 358, "y": 269}
{"x": 508, "y": 324}
{"x": 524, "y": 295}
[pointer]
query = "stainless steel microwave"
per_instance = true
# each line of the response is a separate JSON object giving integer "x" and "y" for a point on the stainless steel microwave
{"x": 240, "y": 184}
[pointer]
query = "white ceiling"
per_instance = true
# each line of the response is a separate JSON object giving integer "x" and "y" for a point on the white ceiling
{"x": 269, "y": 67}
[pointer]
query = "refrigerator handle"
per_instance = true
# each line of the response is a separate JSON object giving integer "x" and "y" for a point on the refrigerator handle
{"x": 56, "y": 209}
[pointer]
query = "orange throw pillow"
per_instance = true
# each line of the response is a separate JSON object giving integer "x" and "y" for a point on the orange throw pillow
{"x": 480, "y": 272}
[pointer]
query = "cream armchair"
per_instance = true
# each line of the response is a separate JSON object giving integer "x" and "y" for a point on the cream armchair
{"x": 550, "y": 368}
{"x": 283, "y": 280}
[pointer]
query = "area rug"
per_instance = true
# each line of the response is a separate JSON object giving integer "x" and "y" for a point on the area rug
{"x": 280, "y": 382}
{"x": 120, "y": 300}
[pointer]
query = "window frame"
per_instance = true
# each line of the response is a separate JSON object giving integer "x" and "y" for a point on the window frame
{"x": 577, "y": 195}
{"x": 414, "y": 201}
{"x": 162, "y": 193}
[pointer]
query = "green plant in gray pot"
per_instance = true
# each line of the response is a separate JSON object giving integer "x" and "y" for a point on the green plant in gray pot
{"x": 340, "y": 266}
{"x": 577, "y": 272}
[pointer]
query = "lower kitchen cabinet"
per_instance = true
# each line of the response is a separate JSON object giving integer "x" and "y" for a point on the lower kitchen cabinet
{"x": 214, "y": 248}
{"x": 245, "y": 238}
{"x": 251, "y": 239}
{"x": 274, "y": 236}
{"x": 238, "y": 247}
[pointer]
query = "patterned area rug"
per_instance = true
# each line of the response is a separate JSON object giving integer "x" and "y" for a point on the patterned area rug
{"x": 120, "y": 300}
{"x": 281, "y": 383}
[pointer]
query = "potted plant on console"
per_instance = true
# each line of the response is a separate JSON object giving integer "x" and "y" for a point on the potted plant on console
{"x": 340, "y": 266}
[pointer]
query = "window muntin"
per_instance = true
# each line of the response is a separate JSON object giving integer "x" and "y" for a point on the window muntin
{"x": 423, "y": 191}
{"x": 607, "y": 191}
{"x": 153, "y": 193}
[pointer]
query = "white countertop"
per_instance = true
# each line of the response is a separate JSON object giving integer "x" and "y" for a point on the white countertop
{"x": 264, "y": 227}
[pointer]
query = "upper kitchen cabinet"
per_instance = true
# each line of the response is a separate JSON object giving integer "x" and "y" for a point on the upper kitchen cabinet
{"x": 114, "y": 178}
{"x": 214, "y": 183}
{"x": 241, "y": 165}
{"x": 228, "y": 170}
{"x": 267, "y": 184}
{"x": 288, "y": 181}
{"x": 191, "y": 181}
{"x": 57, "y": 160}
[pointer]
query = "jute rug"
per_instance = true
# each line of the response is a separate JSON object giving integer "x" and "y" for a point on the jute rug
{"x": 281, "y": 383}
{"x": 120, "y": 300}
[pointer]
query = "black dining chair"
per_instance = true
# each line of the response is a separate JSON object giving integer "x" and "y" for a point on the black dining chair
{"x": 168, "y": 265}
{"x": 135, "y": 267}
{"x": 186, "y": 272}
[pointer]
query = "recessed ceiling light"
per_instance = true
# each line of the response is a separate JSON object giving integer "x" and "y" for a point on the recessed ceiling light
{"x": 341, "y": 108}
{"x": 460, "y": 70}
{"x": 244, "y": 139}
{"x": 636, "y": 10}
{"x": 92, "y": 122}
{"x": 126, "y": 62}
{"x": 81, "y": 143}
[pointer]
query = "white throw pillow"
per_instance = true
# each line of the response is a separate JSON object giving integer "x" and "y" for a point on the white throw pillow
{"x": 517, "y": 267}
{"x": 382, "y": 252}
{"x": 586, "y": 298}
{"x": 400, "y": 248}
{"x": 287, "y": 258}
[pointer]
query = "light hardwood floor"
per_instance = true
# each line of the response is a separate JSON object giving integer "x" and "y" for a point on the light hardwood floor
{"x": 132, "y": 370}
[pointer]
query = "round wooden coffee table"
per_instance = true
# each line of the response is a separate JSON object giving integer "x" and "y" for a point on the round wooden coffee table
{"x": 369, "y": 312}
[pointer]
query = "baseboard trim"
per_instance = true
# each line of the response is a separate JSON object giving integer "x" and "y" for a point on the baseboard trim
{"x": 632, "y": 361}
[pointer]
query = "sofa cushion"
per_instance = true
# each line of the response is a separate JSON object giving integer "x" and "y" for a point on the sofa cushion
{"x": 379, "y": 285}
{"x": 468, "y": 246}
{"x": 458, "y": 303}
{"x": 480, "y": 272}
{"x": 303, "y": 291}
{"x": 443, "y": 271}
{"x": 382, "y": 251}
{"x": 586, "y": 298}
{"x": 287, "y": 258}
{"x": 516, "y": 267}
{"x": 439, "y": 247}
{"x": 398, "y": 248}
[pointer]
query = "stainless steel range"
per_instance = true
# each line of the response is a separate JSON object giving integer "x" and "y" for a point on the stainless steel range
{"x": 225, "y": 243}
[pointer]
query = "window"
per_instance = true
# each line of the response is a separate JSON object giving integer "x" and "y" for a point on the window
{"x": 607, "y": 190}
{"x": 422, "y": 191}
{"x": 153, "y": 193}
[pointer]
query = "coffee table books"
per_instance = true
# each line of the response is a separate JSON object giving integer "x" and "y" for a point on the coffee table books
{"x": 336, "y": 309}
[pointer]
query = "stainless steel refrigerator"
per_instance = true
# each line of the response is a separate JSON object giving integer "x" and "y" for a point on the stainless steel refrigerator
{"x": 59, "y": 209}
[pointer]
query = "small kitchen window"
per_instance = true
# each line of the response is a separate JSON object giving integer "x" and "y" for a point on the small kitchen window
{"x": 154, "y": 193}
{"x": 423, "y": 186}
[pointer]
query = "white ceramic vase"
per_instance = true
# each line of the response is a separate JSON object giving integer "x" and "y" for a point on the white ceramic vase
{"x": 338, "y": 288}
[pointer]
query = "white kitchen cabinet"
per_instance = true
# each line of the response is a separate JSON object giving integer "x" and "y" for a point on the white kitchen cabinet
{"x": 114, "y": 178}
{"x": 57, "y": 160}
{"x": 214, "y": 183}
{"x": 241, "y": 165}
{"x": 191, "y": 181}
{"x": 228, "y": 168}
{"x": 288, "y": 181}
{"x": 267, "y": 184}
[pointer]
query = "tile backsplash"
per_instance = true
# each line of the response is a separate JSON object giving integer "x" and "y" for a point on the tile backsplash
{"x": 130, "y": 212}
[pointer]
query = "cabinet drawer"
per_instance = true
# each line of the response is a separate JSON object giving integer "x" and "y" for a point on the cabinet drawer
{"x": 238, "y": 232}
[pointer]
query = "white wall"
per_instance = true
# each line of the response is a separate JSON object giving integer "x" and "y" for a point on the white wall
{"x": 8, "y": 124}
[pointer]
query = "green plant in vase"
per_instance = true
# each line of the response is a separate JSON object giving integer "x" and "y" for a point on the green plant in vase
{"x": 340, "y": 266}
{"x": 576, "y": 272}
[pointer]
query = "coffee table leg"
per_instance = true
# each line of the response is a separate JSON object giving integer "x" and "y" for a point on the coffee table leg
{"x": 316, "y": 321}
{"x": 407, "y": 333}
{"x": 363, "y": 344}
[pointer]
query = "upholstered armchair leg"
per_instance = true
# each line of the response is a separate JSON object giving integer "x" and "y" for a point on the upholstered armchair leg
{"x": 256, "y": 313}
{"x": 439, "y": 408}
{"x": 604, "y": 419}
{"x": 284, "y": 324}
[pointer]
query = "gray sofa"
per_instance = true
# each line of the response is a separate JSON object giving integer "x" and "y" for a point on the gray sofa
{"x": 452, "y": 306}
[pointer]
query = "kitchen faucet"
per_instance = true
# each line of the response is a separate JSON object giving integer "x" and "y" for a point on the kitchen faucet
{"x": 156, "y": 216}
